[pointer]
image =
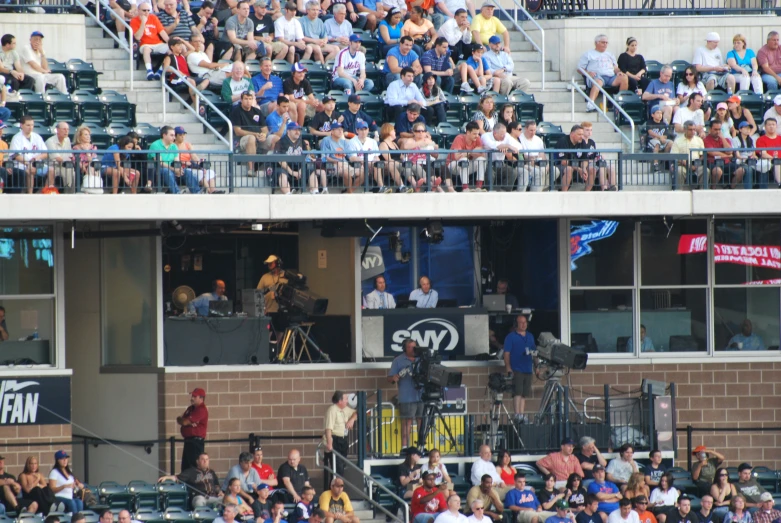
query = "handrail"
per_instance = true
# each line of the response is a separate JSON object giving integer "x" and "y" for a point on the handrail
{"x": 368, "y": 480}
{"x": 123, "y": 45}
{"x": 196, "y": 112}
{"x": 514, "y": 19}
{"x": 574, "y": 87}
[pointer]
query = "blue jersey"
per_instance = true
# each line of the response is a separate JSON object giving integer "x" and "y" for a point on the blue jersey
{"x": 520, "y": 348}
{"x": 605, "y": 488}
{"x": 525, "y": 498}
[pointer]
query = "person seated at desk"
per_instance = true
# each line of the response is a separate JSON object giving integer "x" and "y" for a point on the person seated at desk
{"x": 502, "y": 286}
{"x": 269, "y": 281}
{"x": 200, "y": 305}
{"x": 646, "y": 343}
{"x": 378, "y": 298}
{"x": 746, "y": 339}
{"x": 3, "y": 327}
{"x": 426, "y": 296}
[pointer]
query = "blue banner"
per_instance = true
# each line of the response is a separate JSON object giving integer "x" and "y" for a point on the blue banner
{"x": 581, "y": 236}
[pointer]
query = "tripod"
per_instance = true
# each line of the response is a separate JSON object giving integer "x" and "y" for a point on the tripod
{"x": 497, "y": 409}
{"x": 432, "y": 412}
{"x": 550, "y": 405}
{"x": 287, "y": 351}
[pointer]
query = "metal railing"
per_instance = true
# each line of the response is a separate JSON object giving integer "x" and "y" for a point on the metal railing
{"x": 574, "y": 87}
{"x": 126, "y": 46}
{"x": 558, "y": 8}
{"x": 540, "y": 48}
{"x": 196, "y": 111}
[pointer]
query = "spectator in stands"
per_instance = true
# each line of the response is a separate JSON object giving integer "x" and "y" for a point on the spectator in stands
{"x": 436, "y": 106}
{"x": 177, "y": 25}
{"x": 177, "y": 61}
{"x": 392, "y": 163}
{"x": 288, "y": 30}
{"x": 427, "y": 500}
{"x": 657, "y": 141}
{"x": 738, "y": 510}
{"x": 322, "y": 122}
{"x": 602, "y": 70}
{"x": 501, "y": 66}
{"x": 743, "y": 65}
{"x": 372, "y": 11}
{"x": 476, "y": 68}
{"x": 355, "y": 114}
{"x": 747, "y": 486}
{"x": 704, "y": 470}
{"x": 242, "y": 500}
{"x": 705, "y": 514}
{"x": 294, "y": 475}
{"x": 624, "y": 514}
{"x": 263, "y": 22}
{"x": 277, "y": 121}
{"x": 721, "y": 492}
{"x": 688, "y": 143}
{"x": 484, "y": 466}
{"x": 622, "y": 467}
{"x": 298, "y": 90}
{"x": 116, "y": 165}
{"x": 524, "y": 503}
{"x": 575, "y": 493}
{"x": 726, "y": 121}
{"x": 336, "y": 149}
{"x": 166, "y": 154}
{"x": 62, "y": 162}
{"x": 10, "y": 500}
{"x": 361, "y": 143}
{"x": 11, "y": 65}
{"x": 640, "y": 505}
{"x": 264, "y": 470}
{"x": 61, "y": 480}
{"x": 305, "y": 507}
{"x": 477, "y": 515}
{"x": 437, "y": 61}
{"x": 561, "y": 464}
{"x": 249, "y": 127}
{"x": 535, "y": 173}
{"x": 416, "y": 167}
{"x": 405, "y": 122}
{"x": 105, "y": 516}
{"x": 664, "y": 497}
{"x": 236, "y": 84}
{"x": 445, "y": 10}
{"x": 337, "y": 29}
{"x": 715, "y": 140}
{"x": 709, "y": 61}
{"x": 248, "y": 476}
{"x": 400, "y": 58}
{"x": 458, "y": 33}
{"x": 202, "y": 481}
{"x": 745, "y": 339}
{"x": 766, "y": 158}
{"x": 420, "y": 29}
{"x": 594, "y": 163}
{"x": 264, "y": 502}
{"x": 193, "y": 164}
{"x": 691, "y": 84}
{"x": 293, "y": 145}
{"x": 268, "y": 87}
{"x": 315, "y": 34}
{"x": 655, "y": 469}
{"x": 350, "y": 68}
{"x": 691, "y": 113}
{"x": 336, "y": 504}
{"x": 660, "y": 92}
{"x": 35, "y": 486}
{"x": 403, "y": 92}
{"x": 240, "y": 33}
{"x": 36, "y": 66}
{"x": 506, "y": 115}
{"x": 769, "y": 61}
{"x": 151, "y": 37}
{"x": 739, "y": 114}
{"x": 389, "y": 33}
{"x": 452, "y": 514}
{"x": 207, "y": 26}
{"x": 775, "y": 111}
{"x": 567, "y": 163}
{"x": 548, "y": 495}
{"x": 339, "y": 419}
{"x": 590, "y": 512}
{"x": 201, "y": 65}
{"x": 636, "y": 486}
{"x": 229, "y": 513}
{"x": 589, "y": 456}
{"x": 633, "y": 65}
{"x": 766, "y": 512}
{"x": 24, "y": 163}
{"x": 410, "y": 473}
{"x": 606, "y": 492}
{"x": 485, "y": 25}
{"x": 492, "y": 505}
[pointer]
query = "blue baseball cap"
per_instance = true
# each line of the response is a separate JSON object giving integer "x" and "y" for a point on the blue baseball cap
{"x": 656, "y": 109}
{"x": 336, "y": 125}
{"x": 36, "y": 33}
{"x": 355, "y": 38}
{"x": 179, "y": 130}
{"x": 741, "y": 125}
{"x": 494, "y": 40}
{"x": 262, "y": 486}
{"x": 360, "y": 124}
{"x": 298, "y": 68}
{"x": 61, "y": 454}
{"x": 293, "y": 126}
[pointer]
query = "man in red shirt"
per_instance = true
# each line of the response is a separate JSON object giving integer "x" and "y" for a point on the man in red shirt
{"x": 178, "y": 61}
{"x": 428, "y": 500}
{"x": 715, "y": 140}
{"x": 264, "y": 470}
{"x": 770, "y": 140}
{"x": 194, "y": 422}
{"x": 151, "y": 37}
{"x": 475, "y": 162}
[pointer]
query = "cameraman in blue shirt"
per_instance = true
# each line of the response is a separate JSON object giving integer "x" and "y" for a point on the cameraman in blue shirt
{"x": 518, "y": 348}
{"x": 409, "y": 396}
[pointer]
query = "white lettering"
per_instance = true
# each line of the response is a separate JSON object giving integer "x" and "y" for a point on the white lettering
{"x": 7, "y": 399}
{"x": 371, "y": 261}
{"x": 17, "y": 416}
{"x": 445, "y": 335}
{"x": 31, "y": 408}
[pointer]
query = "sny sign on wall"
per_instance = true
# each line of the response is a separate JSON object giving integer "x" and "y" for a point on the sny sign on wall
{"x": 36, "y": 401}
{"x": 444, "y": 334}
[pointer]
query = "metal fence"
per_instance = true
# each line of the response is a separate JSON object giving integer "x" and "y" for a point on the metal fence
{"x": 204, "y": 172}
{"x": 571, "y": 8}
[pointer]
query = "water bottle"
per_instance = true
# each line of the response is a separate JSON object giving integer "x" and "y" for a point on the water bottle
{"x": 35, "y": 333}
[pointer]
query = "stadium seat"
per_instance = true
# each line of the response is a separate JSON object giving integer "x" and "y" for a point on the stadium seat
{"x": 499, "y": 100}
{"x": 715, "y": 97}
{"x": 34, "y": 105}
{"x": 144, "y": 494}
{"x": 446, "y": 132}
{"x": 147, "y": 515}
{"x": 178, "y": 515}
{"x": 282, "y": 68}
{"x": 117, "y": 131}
{"x": 28, "y": 517}
{"x": 319, "y": 77}
{"x": 652, "y": 69}
{"x": 90, "y": 515}
{"x": 118, "y": 109}
{"x": 40, "y": 129}
{"x": 766, "y": 477}
{"x": 768, "y": 97}
{"x": 372, "y": 104}
{"x": 173, "y": 495}
{"x": 252, "y": 66}
{"x": 148, "y": 133}
{"x": 84, "y": 75}
{"x": 526, "y": 108}
{"x": 679, "y": 66}
{"x": 469, "y": 103}
{"x": 113, "y": 494}
{"x": 633, "y": 105}
{"x": 374, "y": 73}
{"x": 91, "y": 109}
{"x": 754, "y": 102}
{"x": 57, "y": 67}
{"x": 61, "y": 106}
{"x": 550, "y": 133}
{"x": 211, "y": 116}
{"x": 205, "y": 514}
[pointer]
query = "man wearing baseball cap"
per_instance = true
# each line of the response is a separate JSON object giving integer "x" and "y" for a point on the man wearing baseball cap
{"x": 606, "y": 491}
{"x": 748, "y": 485}
{"x": 561, "y": 464}
{"x": 193, "y": 424}
{"x": 710, "y": 64}
{"x": 269, "y": 281}
{"x": 485, "y": 25}
{"x": 775, "y": 111}
{"x": 350, "y": 68}
{"x": 767, "y": 512}
{"x": 563, "y": 514}
{"x": 35, "y": 65}
{"x": 704, "y": 471}
{"x": 299, "y": 91}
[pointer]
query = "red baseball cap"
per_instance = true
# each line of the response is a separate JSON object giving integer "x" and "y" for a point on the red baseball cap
{"x": 199, "y": 392}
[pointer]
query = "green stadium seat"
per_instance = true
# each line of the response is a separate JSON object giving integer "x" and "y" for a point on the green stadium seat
{"x": 372, "y": 104}
{"x": 319, "y": 76}
{"x": 147, "y": 133}
{"x": 469, "y": 102}
{"x": 147, "y": 515}
{"x": 34, "y": 105}
{"x": 526, "y": 107}
{"x": 117, "y": 131}
{"x": 282, "y": 68}
{"x": 61, "y": 106}
{"x": 58, "y": 67}
{"x": 499, "y": 100}
{"x": 118, "y": 109}
{"x": 653, "y": 69}
{"x": 679, "y": 66}
{"x": 144, "y": 494}
{"x": 91, "y": 109}
{"x": 446, "y": 132}
{"x": 633, "y": 105}
{"x": 211, "y": 115}
{"x": 178, "y": 515}
{"x": 205, "y": 514}
{"x": 90, "y": 515}
{"x": 113, "y": 494}
{"x": 374, "y": 73}
{"x": 27, "y": 517}
{"x": 253, "y": 66}
{"x": 768, "y": 97}
{"x": 754, "y": 102}
{"x": 550, "y": 133}
{"x": 84, "y": 75}
{"x": 716, "y": 97}
{"x": 173, "y": 495}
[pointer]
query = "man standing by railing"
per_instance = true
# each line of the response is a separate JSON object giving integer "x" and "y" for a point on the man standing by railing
{"x": 193, "y": 425}
{"x": 339, "y": 418}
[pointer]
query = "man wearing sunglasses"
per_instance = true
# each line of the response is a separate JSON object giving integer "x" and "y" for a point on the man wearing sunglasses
{"x": 151, "y": 37}
{"x": 640, "y": 505}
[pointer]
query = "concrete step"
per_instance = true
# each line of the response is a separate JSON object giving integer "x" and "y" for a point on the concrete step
{"x": 100, "y": 43}
{"x": 107, "y": 54}
{"x": 93, "y": 31}
{"x": 522, "y": 67}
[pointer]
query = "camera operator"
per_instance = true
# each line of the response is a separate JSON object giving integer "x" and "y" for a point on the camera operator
{"x": 518, "y": 348}
{"x": 269, "y": 281}
{"x": 409, "y": 396}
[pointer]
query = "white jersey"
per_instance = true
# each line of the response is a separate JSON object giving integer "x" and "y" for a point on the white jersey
{"x": 352, "y": 64}
{"x": 21, "y": 143}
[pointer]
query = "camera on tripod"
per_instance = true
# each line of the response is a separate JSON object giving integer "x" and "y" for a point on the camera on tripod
{"x": 430, "y": 376}
{"x": 499, "y": 383}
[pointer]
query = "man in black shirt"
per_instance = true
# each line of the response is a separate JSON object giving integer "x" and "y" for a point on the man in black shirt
{"x": 568, "y": 162}
{"x": 202, "y": 482}
{"x": 264, "y": 31}
{"x": 406, "y": 121}
{"x": 705, "y": 514}
{"x": 683, "y": 514}
{"x": 292, "y": 144}
{"x": 293, "y": 476}
{"x": 589, "y": 456}
{"x": 321, "y": 123}
{"x": 354, "y": 113}
{"x": 264, "y": 503}
{"x": 607, "y": 175}
{"x": 589, "y": 513}
{"x": 654, "y": 471}
{"x": 299, "y": 91}
{"x": 249, "y": 127}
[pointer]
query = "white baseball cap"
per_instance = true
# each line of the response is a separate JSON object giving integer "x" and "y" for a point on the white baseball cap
{"x": 713, "y": 36}
{"x": 777, "y": 99}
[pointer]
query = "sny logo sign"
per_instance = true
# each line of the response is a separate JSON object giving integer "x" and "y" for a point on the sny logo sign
{"x": 432, "y": 333}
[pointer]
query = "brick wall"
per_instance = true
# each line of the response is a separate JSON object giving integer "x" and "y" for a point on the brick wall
{"x": 293, "y": 402}
{"x": 15, "y": 456}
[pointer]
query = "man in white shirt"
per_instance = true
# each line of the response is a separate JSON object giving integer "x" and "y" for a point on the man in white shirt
{"x": 201, "y": 66}
{"x": 403, "y": 92}
{"x": 35, "y": 65}
{"x": 362, "y": 143}
{"x": 502, "y": 66}
{"x": 458, "y": 33}
{"x": 61, "y": 142}
{"x": 24, "y": 163}
{"x": 288, "y": 30}
{"x": 484, "y": 466}
{"x": 451, "y": 515}
{"x": 775, "y": 111}
{"x": 535, "y": 166}
{"x": 444, "y": 10}
{"x": 499, "y": 140}
{"x": 350, "y": 68}
{"x": 379, "y": 299}
{"x": 337, "y": 29}
{"x": 710, "y": 64}
{"x": 624, "y": 514}
{"x": 692, "y": 112}
{"x": 602, "y": 69}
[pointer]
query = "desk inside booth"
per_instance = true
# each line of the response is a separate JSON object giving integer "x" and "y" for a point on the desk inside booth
{"x": 198, "y": 340}
{"x": 24, "y": 352}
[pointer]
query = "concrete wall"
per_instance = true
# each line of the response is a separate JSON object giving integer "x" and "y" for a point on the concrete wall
{"x": 662, "y": 38}
{"x": 64, "y": 36}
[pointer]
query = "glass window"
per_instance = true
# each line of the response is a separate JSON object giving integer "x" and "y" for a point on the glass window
{"x": 747, "y": 251}
{"x": 601, "y": 253}
{"x": 601, "y": 321}
{"x": 746, "y": 318}
{"x": 675, "y": 256}
{"x": 673, "y": 320}
{"x": 26, "y": 260}
{"x": 128, "y": 310}
{"x": 30, "y": 326}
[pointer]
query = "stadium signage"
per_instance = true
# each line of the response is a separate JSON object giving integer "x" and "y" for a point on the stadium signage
{"x": 754, "y": 255}
{"x": 373, "y": 263}
{"x": 582, "y": 235}
{"x": 443, "y": 334}
{"x": 36, "y": 401}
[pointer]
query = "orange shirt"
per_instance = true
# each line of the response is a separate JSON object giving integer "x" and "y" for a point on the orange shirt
{"x": 151, "y": 30}
{"x": 3, "y": 147}
{"x": 185, "y": 146}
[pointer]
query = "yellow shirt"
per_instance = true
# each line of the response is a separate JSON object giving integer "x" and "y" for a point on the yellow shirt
{"x": 340, "y": 505}
{"x": 681, "y": 146}
{"x": 487, "y": 27}
{"x": 269, "y": 281}
{"x": 3, "y": 147}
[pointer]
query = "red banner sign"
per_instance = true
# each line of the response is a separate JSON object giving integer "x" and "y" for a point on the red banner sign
{"x": 754, "y": 255}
